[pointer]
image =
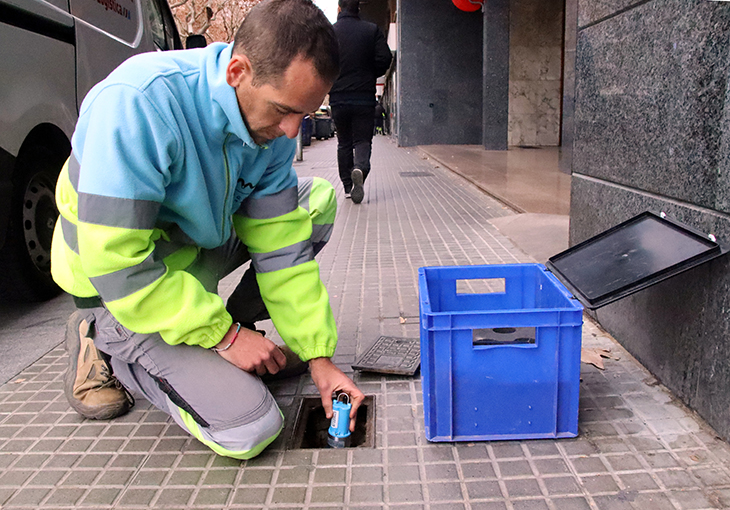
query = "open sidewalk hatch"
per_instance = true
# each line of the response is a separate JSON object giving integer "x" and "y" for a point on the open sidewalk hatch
{"x": 631, "y": 256}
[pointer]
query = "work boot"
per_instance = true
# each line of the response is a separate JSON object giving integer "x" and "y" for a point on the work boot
{"x": 89, "y": 385}
{"x": 357, "y": 192}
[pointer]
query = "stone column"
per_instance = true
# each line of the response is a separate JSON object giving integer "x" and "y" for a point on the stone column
{"x": 495, "y": 74}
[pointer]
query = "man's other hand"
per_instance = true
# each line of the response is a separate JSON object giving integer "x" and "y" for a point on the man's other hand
{"x": 329, "y": 379}
{"x": 252, "y": 352}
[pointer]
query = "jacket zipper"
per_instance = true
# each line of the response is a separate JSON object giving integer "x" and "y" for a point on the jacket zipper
{"x": 228, "y": 185}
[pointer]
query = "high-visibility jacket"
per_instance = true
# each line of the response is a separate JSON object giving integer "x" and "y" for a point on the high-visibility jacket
{"x": 162, "y": 165}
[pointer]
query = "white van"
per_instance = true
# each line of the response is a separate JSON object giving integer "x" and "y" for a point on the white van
{"x": 53, "y": 52}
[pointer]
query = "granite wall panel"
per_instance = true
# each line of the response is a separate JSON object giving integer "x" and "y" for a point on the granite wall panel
{"x": 651, "y": 84}
{"x": 678, "y": 329}
{"x": 439, "y": 73}
{"x": 592, "y": 11}
{"x": 568, "y": 107}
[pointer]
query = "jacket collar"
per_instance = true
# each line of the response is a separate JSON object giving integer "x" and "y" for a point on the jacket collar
{"x": 225, "y": 95}
{"x": 344, "y": 14}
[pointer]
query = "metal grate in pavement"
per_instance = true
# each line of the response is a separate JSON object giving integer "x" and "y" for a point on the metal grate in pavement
{"x": 391, "y": 355}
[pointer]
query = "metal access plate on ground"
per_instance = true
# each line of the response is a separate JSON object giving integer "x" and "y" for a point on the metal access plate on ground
{"x": 631, "y": 256}
{"x": 391, "y": 355}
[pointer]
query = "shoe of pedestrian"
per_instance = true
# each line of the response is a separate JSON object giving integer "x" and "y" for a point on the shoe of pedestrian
{"x": 294, "y": 367}
{"x": 89, "y": 385}
{"x": 357, "y": 192}
{"x": 348, "y": 194}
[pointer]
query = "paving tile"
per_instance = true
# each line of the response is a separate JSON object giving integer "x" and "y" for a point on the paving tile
{"x": 523, "y": 487}
{"x": 253, "y": 476}
{"x": 514, "y": 468}
{"x": 489, "y": 505}
{"x": 638, "y": 482}
{"x": 189, "y": 477}
{"x": 578, "y": 503}
{"x": 81, "y": 477}
{"x": 173, "y": 496}
{"x": 220, "y": 477}
{"x": 212, "y": 497}
{"x": 399, "y": 493}
{"x": 29, "y": 496}
{"x": 98, "y": 497}
{"x": 250, "y": 496}
{"x": 137, "y": 497}
{"x": 444, "y": 491}
{"x": 65, "y": 497}
{"x": 31, "y": 460}
{"x": 296, "y": 475}
{"x": 530, "y": 504}
{"x": 483, "y": 489}
{"x": 562, "y": 485}
{"x": 405, "y": 473}
{"x": 599, "y": 484}
{"x": 328, "y": 494}
{"x": 366, "y": 494}
{"x": 289, "y": 495}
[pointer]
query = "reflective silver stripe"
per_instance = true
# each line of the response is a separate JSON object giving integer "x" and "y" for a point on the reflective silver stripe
{"x": 129, "y": 280}
{"x": 321, "y": 233}
{"x": 265, "y": 425}
{"x": 283, "y": 258}
{"x": 74, "y": 169}
{"x": 164, "y": 249}
{"x": 305, "y": 189}
{"x": 70, "y": 235}
{"x": 270, "y": 206}
{"x": 118, "y": 212}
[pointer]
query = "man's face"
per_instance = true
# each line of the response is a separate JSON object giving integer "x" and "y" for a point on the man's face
{"x": 271, "y": 110}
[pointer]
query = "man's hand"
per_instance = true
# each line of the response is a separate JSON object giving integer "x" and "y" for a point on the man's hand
{"x": 329, "y": 379}
{"x": 252, "y": 352}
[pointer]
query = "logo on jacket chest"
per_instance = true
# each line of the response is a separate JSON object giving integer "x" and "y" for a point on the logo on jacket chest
{"x": 243, "y": 189}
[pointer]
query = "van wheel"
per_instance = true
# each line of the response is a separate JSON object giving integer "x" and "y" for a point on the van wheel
{"x": 26, "y": 256}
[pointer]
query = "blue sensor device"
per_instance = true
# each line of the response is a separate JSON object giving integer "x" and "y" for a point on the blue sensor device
{"x": 338, "y": 434}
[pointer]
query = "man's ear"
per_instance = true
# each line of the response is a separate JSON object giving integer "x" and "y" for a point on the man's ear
{"x": 238, "y": 70}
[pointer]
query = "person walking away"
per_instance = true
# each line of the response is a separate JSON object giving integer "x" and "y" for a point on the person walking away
{"x": 364, "y": 56}
{"x": 180, "y": 172}
{"x": 379, "y": 116}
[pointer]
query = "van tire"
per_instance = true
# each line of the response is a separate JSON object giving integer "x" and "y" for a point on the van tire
{"x": 25, "y": 258}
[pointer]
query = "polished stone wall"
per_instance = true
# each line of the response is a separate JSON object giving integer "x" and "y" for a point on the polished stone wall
{"x": 439, "y": 74}
{"x": 652, "y": 132}
{"x": 535, "y": 72}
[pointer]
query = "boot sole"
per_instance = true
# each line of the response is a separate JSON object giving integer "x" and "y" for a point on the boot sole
{"x": 358, "y": 192}
{"x": 104, "y": 412}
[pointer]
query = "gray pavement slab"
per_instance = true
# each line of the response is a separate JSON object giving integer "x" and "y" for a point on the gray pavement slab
{"x": 638, "y": 447}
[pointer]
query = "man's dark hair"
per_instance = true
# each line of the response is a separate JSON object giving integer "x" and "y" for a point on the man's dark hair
{"x": 351, "y": 6}
{"x": 275, "y": 32}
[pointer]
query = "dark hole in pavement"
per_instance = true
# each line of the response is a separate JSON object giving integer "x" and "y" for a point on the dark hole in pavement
{"x": 310, "y": 430}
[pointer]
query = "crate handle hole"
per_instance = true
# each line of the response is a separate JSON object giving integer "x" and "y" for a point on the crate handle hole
{"x": 480, "y": 286}
{"x": 503, "y": 336}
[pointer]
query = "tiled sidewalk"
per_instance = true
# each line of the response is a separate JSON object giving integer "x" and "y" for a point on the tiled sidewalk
{"x": 638, "y": 447}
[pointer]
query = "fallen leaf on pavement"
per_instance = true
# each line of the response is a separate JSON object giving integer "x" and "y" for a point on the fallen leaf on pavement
{"x": 593, "y": 356}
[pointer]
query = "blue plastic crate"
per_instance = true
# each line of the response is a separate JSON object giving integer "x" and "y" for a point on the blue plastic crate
{"x": 521, "y": 388}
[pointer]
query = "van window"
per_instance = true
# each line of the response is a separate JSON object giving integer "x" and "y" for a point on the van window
{"x": 157, "y": 25}
{"x": 119, "y": 18}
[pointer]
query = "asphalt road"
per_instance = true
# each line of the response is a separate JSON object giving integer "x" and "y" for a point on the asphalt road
{"x": 30, "y": 330}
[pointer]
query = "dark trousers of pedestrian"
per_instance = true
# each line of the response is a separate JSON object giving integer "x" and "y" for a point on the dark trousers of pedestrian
{"x": 354, "y": 125}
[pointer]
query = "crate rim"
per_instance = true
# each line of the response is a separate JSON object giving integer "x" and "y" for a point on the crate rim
{"x": 573, "y": 303}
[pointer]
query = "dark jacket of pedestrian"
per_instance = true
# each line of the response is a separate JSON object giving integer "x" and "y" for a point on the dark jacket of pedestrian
{"x": 364, "y": 56}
